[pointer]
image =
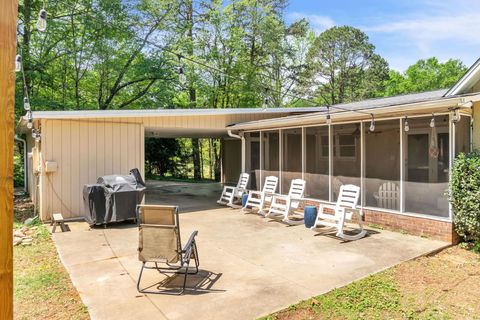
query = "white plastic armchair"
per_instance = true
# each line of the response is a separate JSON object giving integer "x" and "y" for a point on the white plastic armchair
{"x": 388, "y": 196}
{"x": 230, "y": 194}
{"x": 257, "y": 199}
{"x": 283, "y": 206}
{"x": 343, "y": 211}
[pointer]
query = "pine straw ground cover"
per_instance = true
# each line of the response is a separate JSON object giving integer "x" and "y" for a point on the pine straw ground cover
{"x": 442, "y": 286}
{"x": 42, "y": 287}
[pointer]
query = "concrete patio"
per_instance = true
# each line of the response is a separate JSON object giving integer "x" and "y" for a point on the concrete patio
{"x": 250, "y": 266}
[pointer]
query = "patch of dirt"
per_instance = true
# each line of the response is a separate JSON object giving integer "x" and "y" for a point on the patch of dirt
{"x": 296, "y": 314}
{"x": 23, "y": 208}
{"x": 444, "y": 285}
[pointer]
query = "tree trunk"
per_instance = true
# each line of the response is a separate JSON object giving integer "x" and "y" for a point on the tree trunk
{"x": 210, "y": 159}
{"x": 216, "y": 154}
{"x": 197, "y": 174}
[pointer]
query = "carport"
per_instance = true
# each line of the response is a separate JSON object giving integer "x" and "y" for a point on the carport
{"x": 74, "y": 148}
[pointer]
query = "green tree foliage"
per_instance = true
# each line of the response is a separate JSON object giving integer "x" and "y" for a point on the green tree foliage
{"x": 124, "y": 54}
{"x": 465, "y": 195}
{"x": 161, "y": 157}
{"x": 18, "y": 177}
{"x": 95, "y": 55}
{"x": 344, "y": 66}
{"x": 425, "y": 75}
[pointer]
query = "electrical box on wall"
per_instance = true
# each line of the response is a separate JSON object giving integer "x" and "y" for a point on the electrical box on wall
{"x": 50, "y": 166}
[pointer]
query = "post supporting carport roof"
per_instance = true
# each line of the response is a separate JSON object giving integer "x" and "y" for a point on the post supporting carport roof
{"x": 8, "y": 28}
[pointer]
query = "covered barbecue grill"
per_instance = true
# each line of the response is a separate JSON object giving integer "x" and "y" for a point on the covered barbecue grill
{"x": 113, "y": 198}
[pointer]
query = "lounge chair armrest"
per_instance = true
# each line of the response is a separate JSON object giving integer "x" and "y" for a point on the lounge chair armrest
{"x": 188, "y": 247}
{"x": 190, "y": 241}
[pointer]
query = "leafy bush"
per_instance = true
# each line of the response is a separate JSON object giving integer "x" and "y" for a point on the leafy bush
{"x": 17, "y": 169}
{"x": 465, "y": 196}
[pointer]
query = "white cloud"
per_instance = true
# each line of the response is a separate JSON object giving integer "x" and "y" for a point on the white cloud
{"x": 444, "y": 29}
{"x": 317, "y": 22}
{"x": 448, "y": 25}
{"x": 456, "y": 27}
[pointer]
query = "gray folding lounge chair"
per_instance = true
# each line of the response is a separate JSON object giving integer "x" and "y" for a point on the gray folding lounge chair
{"x": 159, "y": 243}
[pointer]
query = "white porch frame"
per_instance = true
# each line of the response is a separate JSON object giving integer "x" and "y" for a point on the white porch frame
{"x": 452, "y": 148}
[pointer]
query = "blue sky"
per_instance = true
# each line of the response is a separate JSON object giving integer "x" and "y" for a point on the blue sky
{"x": 403, "y": 31}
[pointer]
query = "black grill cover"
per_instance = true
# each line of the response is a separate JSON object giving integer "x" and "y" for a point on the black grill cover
{"x": 94, "y": 202}
{"x": 121, "y": 194}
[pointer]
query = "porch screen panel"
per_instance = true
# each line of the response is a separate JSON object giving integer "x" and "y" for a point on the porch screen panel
{"x": 346, "y": 156}
{"x": 316, "y": 166}
{"x": 292, "y": 157}
{"x": 426, "y": 166}
{"x": 382, "y": 165}
{"x": 252, "y": 164}
{"x": 462, "y": 136}
{"x": 270, "y": 154}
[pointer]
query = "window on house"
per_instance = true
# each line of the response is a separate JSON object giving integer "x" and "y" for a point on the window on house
{"x": 346, "y": 162}
{"x": 292, "y": 157}
{"x": 345, "y": 146}
{"x": 324, "y": 145}
{"x": 270, "y": 154}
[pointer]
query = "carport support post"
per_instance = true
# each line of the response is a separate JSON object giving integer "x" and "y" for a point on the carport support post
{"x": 242, "y": 136}
{"x": 8, "y": 29}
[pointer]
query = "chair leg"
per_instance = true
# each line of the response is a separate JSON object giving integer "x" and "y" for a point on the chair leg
{"x": 362, "y": 233}
{"x": 140, "y": 278}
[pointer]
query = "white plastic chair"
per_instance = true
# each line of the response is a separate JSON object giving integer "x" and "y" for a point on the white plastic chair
{"x": 343, "y": 211}
{"x": 257, "y": 199}
{"x": 230, "y": 194}
{"x": 283, "y": 205}
{"x": 388, "y": 196}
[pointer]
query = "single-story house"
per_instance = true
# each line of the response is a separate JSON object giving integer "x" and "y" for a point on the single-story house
{"x": 399, "y": 150}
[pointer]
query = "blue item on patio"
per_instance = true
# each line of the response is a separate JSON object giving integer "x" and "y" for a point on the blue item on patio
{"x": 310, "y": 215}
{"x": 244, "y": 199}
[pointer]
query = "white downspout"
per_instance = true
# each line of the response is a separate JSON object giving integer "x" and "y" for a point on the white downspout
{"x": 242, "y": 138}
{"x": 25, "y": 175}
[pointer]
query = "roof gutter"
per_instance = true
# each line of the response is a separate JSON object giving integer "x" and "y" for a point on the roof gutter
{"x": 319, "y": 117}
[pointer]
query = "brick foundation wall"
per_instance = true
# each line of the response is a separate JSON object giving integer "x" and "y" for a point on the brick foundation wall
{"x": 432, "y": 229}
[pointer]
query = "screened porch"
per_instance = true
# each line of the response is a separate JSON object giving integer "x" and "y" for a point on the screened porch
{"x": 402, "y": 165}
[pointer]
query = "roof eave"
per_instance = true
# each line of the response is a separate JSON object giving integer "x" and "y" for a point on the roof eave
{"x": 465, "y": 82}
{"x": 437, "y": 105}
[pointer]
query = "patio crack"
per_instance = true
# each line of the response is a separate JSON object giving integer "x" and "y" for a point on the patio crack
{"x": 130, "y": 276}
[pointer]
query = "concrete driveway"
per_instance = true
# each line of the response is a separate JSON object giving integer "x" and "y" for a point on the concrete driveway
{"x": 250, "y": 266}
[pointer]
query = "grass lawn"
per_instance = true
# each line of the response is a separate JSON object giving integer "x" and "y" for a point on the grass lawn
{"x": 42, "y": 287}
{"x": 442, "y": 286}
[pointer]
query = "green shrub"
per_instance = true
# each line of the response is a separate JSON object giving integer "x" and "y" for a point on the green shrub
{"x": 465, "y": 196}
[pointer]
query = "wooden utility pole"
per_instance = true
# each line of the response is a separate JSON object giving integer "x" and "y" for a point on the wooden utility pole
{"x": 8, "y": 29}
